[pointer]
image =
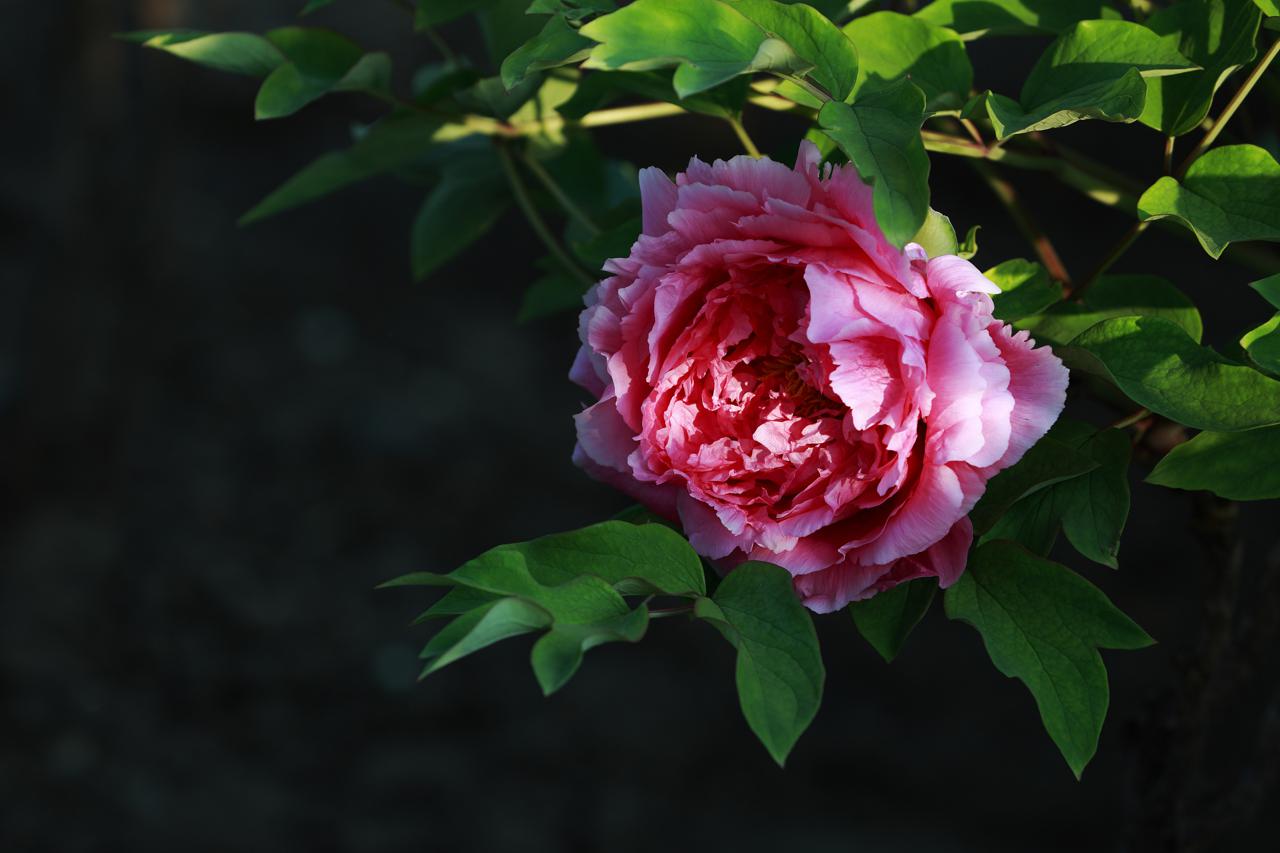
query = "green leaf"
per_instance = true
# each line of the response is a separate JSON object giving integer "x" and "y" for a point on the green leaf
{"x": 1095, "y": 507}
{"x": 975, "y": 18}
{"x": 880, "y": 133}
{"x": 459, "y": 211}
{"x": 937, "y": 236}
{"x": 1049, "y": 461}
{"x": 969, "y": 246}
{"x": 813, "y": 38}
{"x": 891, "y": 45}
{"x": 603, "y": 87}
{"x": 1269, "y": 288}
{"x": 1094, "y": 70}
{"x": 394, "y": 142}
{"x": 1025, "y": 289}
{"x": 433, "y": 12}
{"x": 1217, "y": 35}
{"x": 1115, "y": 296}
{"x": 558, "y": 653}
{"x": 237, "y": 53}
{"x": 886, "y": 619}
{"x": 1263, "y": 345}
{"x": 320, "y": 62}
{"x": 779, "y": 672}
{"x": 1238, "y": 466}
{"x": 1156, "y": 364}
{"x": 557, "y": 44}
{"x": 708, "y": 41}
{"x": 455, "y": 602}
{"x": 1043, "y": 624}
{"x": 484, "y": 626}
{"x": 1268, "y": 7}
{"x": 571, "y": 10}
{"x": 550, "y": 294}
{"x": 1229, "y": 194}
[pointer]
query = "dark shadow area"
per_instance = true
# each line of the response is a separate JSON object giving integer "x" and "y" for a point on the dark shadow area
{"x": 214, "y": 443}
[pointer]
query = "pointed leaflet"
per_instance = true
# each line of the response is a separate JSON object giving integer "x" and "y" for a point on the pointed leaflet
{"x": 937, "y": 236}
{"x": 1050, "y": 460}
{"x": 1043, "y": 624}
{"x": 1157, "y": 365}
{"x": 880, "y": 133}
{"x": 891, "y": 45}
{"x": 1113, "y": 296}
{"x": 814, "y": 39}
{"x": 709, "y": 42}
{"x": 1094, "y": 70}
{"x": 320, "y": 62}
{"x": 558, "y": 653}
{"x": 974, "y": 18}
{"x": 1217, "y": 35}
{"x": 456, "y": 213}
{"x": 779, "y": 671}
{"x": 1263, "y": 343}
{"x": 1025, "y": 289}
{"x": 1229, "y": 194}
{"x": 1095, "y": 507}
{"x": 237, "y": 53}
{"x": 557, "y": 44}
{"x": 1238, "y": 466}
{"x": 886, "y": 619}
{"x": 481, "y": 627}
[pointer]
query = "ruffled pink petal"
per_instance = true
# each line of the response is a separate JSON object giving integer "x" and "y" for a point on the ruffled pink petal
{"x": 657, "y": 200}
{"x": 1038, "y": 385}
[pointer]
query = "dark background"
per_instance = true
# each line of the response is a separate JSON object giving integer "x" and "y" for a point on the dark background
{"x": 214, "y": 442}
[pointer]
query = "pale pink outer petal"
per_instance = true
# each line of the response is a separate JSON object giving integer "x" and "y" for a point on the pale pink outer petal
{"x": 1038, "y": 383}
{"x": 657, "y": 199}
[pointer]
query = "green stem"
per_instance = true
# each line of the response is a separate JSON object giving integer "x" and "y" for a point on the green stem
{"x": 536, "y": 222}
{"x": 1230, "y": 109}
{"x": 557, "y": 192}
{"x": 745, "y": 138}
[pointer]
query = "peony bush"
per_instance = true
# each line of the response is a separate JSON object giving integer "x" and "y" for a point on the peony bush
{"x": 817, "y": 400}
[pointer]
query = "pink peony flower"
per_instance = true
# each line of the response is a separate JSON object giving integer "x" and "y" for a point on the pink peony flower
{"x": 787, "y": 385}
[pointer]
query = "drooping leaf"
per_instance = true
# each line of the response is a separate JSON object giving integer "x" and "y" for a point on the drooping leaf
{"x": 1043, "y": 624}
{"x": 1238, "y": 466}
{"x": 974, "y": 18}
{"x": 1095, "y": 507}
{"x": 237, "y": 53}
{"x": 1115, "y": 296}
{"x": 1159, "y": 366}
{"x": 779, "y": 671}
{"x": 1025, "y": 289}
{"x": 891, "y": 45}
{"x": 557, "y": 44}
{"x": 393, "y": 142}
{"x": 558, "y": 653}
{"x": 1230, "y": 193}
{"x": 456, "y": 213}
{"x": 710, "y": 42}
{"x": 1094, "y": 70}
{"x": 885, "y": 620}
{"x": 485, "y": 625}
{"x": 880, "y": 134}
{"x": 1217, "y": 35}
{"x": 1049, "y": 461}
{"x": 812, "y": 37}
{"x": 320, "y": 62}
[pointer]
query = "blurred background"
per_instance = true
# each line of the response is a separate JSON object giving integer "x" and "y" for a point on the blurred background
{"x": 214, "y": 442}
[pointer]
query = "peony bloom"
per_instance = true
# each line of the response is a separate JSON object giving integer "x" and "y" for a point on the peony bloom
{"x": 790, "y": 387}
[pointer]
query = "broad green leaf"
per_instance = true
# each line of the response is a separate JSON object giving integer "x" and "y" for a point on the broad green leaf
{"x": 1270, "y": 8}
{"x": 504, "y": 26}
{"x": 1095, "y": 507}
{"x": 779, "y": 671}
{"x": 1156, "y": 364}
{"x": 394, "y": 142}
{"x": 432, "y": 12}
{"x": 558, "y": 653}
{"x": 1263, "y": 345}
{"x": 1094, "y": 70}
{"x": 549, "y": 294}
{"x": 1217, "y": 35}
{"x": 880, "y": 134}
{"x": 481, "y": 627}
{"x": 1229, "y": 194}
{"x": 886, "y": 619}
{"x": 571, "y": 10}
{"x": 455, "y": 602}
{"x": 1043, "y": 624}
{"x": 1049, "y": 461}
{"x": 238, "y": 53}
{"x": 1115, "y": 296}
{"x": 708, "y": 41}
{"x": 456, "y": 213}
{"x": 891, "y": 45}
{"x": 557, "y": 44}
{"x": 974, "y": 18}
{"x": 937, "y": 236}
{"x": 813, "y": 38}
{"x": 320, "y": 62}
{"x": 1032, "y": 522}
{"x": 603, "y": 87}
{"x": 1238, "y": 466}
{"x": 1269, "y": 288}
{"x": 1025, "y": 289}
